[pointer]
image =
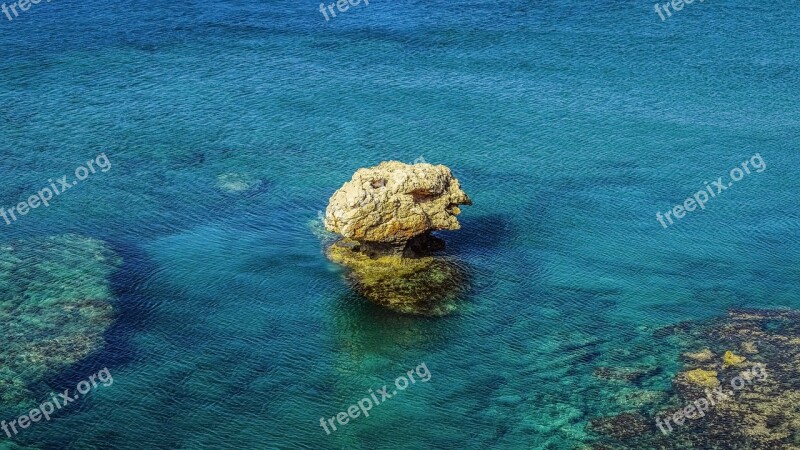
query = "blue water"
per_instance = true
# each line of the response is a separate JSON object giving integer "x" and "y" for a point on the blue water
{"x": 569, "y": 124}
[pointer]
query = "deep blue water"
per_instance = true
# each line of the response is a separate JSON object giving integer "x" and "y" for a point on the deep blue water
{"x": 570, "y": 124}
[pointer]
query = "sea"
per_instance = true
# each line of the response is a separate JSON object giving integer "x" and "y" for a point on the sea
{"x": 227, "y": 125}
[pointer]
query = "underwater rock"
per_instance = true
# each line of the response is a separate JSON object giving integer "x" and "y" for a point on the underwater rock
{"x": 749, "y": 348}
{"x": 702, "y": 378}
{"x": 55, "y": 308}
{"x": 237, "y": 182}
{"x": 703, "y": 355}
{"x": 633, "y": 397}
{"x": 393, "y": 202}
{"x": 621, "y": 426}
{"x": 628, "y": 374}
{"x": 549, "y": 417}
{"x": 730, "y": 359}
{"x": 425, "y": 285}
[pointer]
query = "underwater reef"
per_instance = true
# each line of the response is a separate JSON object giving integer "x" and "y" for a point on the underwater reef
{"x": 761, "y": 348}
{"x": 56, "y": 306}
{"x": 385, "y": 215}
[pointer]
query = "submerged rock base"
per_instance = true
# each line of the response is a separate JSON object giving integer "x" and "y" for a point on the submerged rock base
{"x": 408, "y": 281}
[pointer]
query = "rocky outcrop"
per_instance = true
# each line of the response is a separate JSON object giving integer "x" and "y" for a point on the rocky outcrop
{"x": 755, "y": 404}
{"x": 393, "y": 202}
{"x": 704, "y": 355}
{"x": 385, "y": 215}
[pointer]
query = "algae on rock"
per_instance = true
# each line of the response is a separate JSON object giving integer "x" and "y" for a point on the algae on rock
{"x": 702, "y": 378}
{"x": 731, "y": 359}
{"x": 425, "y": 285}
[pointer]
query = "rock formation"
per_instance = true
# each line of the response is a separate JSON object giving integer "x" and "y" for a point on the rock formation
{"x": 699, "y": 377}
{"x": 385, "y": 215}
{"x": 393, "y": 202}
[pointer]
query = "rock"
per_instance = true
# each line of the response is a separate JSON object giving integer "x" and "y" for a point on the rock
{"x": 394, "y": 202}
{"x": 702, "y": 378}
{"x": 237, "y": 182}
{"x": 749, "y": 348}
{"x": 422, "y": 285}
{"x": 762, "y": 413}
{"x": 704, "y": 355}
{"x": 628, "y": 374}
{"x": 621, "y": 426}
{"x": 550, "y": 417}
{"x": 730, "y": 359}
{"x": 386, "y": 215}
{"x": 638, "y": 398}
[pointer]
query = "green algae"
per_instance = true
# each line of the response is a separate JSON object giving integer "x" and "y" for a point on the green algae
{"x": 701, "y": 377}
{"x": 54, "y": 309}
{"x": 420, "y": 285}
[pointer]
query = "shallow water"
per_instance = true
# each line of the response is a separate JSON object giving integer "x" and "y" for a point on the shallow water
{"x": 569, "y": 125}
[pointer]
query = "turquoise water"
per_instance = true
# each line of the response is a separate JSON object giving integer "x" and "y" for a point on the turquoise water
{"x": 569, "y": 124}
